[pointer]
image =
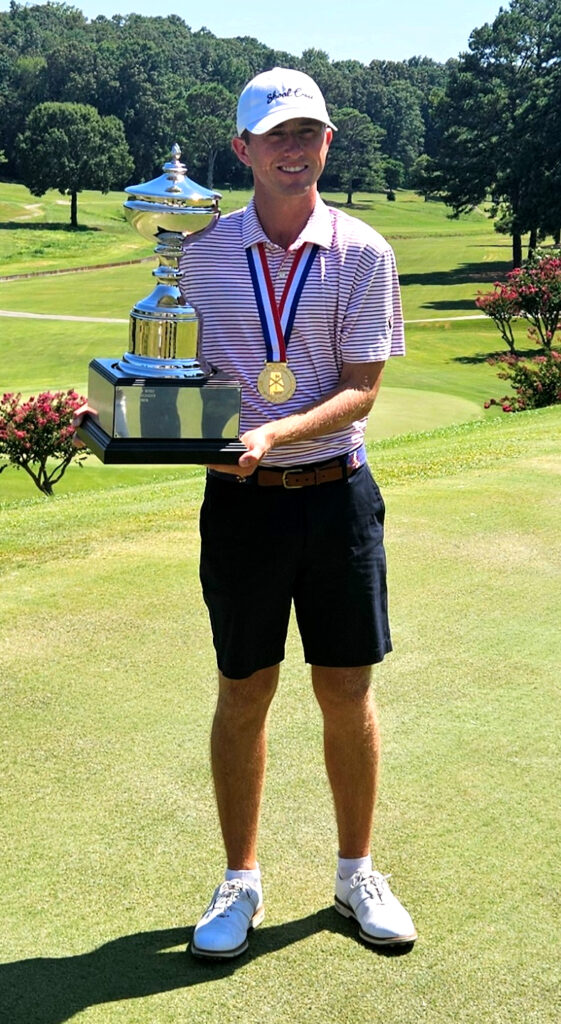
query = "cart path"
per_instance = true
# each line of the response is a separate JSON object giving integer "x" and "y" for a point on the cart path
{"x": 56, "y": 316}
{"x": 76, "y": 270}
{"x": 116, "y": 320}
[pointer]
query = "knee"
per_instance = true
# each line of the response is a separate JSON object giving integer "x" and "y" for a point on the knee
{"x": 246, "y": 699}
{"x": 342, "y": 688}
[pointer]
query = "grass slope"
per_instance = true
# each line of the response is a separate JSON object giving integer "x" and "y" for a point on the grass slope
{"x": 111, "y": 844}
{"x": 36, "y": 232}
{"x": 444, "y": 380}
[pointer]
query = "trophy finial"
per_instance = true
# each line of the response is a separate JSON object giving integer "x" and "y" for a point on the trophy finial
{"x": 176, "y": 152}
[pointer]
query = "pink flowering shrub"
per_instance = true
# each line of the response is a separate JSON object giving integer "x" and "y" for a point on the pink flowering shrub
{"x": 36, "y": 435}
{"x": 502, "y": 306}
{"x": 536, "y": 381}
{"x": 532, "y": 292}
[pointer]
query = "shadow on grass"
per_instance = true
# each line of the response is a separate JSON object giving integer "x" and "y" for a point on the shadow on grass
{"x": 51, "y": 990}
{"x": 482, "y": 357}
{"x": 447, "y": 304}
{"x": 366, "y": 204}
{"x": 466, "y": 273}
{"x": 12, "y": 225}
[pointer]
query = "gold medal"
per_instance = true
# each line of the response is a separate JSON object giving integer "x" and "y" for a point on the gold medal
{"x": 276, "y": 382}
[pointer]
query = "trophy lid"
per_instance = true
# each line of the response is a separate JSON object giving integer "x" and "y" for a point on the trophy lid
{"x": 173, "y": 186}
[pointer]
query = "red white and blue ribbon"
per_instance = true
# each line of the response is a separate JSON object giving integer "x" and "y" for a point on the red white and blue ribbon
{"x": 277, "y": 321}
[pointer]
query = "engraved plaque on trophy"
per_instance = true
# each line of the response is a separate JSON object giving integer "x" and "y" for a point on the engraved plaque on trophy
{"x": 157, "y": 404}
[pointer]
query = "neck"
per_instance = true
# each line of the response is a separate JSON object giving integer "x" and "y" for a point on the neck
{"x": 282, "y": 222}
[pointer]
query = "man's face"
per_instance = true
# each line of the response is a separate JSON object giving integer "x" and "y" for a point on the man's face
{"x": 287, "y": 160}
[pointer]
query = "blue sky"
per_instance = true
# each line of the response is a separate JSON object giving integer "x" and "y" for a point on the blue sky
{"x": 360, "y": 29}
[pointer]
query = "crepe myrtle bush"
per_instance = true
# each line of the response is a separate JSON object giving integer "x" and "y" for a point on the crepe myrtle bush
{"x": 36, "y": 435}
{"x": 536, "y": 381}
{"x": 503, "y": 307}
{"x": 532, "y": 292}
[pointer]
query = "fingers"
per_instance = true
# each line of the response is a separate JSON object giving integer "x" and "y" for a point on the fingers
{"x": 77, "y": 419}
{"x": 258, "y": 443}
{"x": 249, "y": 461}
{"x": 257, "y": 446}
{"x": 83, "y": 410}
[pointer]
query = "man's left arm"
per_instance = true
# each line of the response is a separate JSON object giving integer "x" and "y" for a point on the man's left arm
{"x": 351, "y": 400}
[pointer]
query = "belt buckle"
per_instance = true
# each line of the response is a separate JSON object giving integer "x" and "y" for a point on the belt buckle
{"x": 288, "y": 486}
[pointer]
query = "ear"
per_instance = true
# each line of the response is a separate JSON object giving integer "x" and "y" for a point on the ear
{"x": 328, "y": 136}
{"x": 240, "y": 149}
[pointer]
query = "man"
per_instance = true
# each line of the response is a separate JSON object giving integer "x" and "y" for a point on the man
{"x": 301, "y": 304}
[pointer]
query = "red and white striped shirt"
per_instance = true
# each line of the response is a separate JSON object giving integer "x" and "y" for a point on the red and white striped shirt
{"x": 349, "y": 311}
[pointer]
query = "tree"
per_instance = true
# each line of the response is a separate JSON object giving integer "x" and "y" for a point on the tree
{"x": 355, "y": 151}
{"x": 70, "y": 73}
{"x": 499, "y": 117}
{"x": 137, "y": 83}
{"x": 70, "y": 147}
{"x": 402, "y": 123}
{"x": 209, "y": 125}
{"x": 394, "y": 173}
{"x": 425, "y": 178}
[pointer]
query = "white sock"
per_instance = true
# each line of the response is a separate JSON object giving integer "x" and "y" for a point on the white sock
{"x": 252, "y": 876}
{"x": 346, "y": 866}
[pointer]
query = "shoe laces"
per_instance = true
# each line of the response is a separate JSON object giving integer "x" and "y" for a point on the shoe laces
{"x": 227, "y": 894}
{"x": 375, "y": 883}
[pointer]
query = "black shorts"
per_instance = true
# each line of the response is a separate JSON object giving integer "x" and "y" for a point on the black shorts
{"x": 322, "y": 547}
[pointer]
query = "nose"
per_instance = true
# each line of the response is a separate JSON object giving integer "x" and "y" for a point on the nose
{"x": 292, "y": 143}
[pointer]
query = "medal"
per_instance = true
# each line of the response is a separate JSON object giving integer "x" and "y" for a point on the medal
{"x": 276, "y": 382}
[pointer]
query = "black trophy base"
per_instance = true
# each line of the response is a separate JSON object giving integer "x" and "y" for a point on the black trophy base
{"x": 114, "y": 451}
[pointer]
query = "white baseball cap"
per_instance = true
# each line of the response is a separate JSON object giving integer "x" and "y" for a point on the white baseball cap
{"x": 279, "y": 95}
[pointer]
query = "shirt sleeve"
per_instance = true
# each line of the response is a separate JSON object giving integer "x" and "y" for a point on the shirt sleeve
{"x": 372, "y": 328}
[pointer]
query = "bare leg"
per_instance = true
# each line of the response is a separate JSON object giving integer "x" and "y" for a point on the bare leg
{"x": 239, "y": 751}
{"x": 351, "y": 743}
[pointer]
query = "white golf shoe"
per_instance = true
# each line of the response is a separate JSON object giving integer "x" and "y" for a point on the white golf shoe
{"x": 367, "y": 897}
{"x": 222, "y": 930}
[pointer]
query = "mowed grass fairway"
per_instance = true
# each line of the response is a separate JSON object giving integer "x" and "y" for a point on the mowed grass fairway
{"x": 109, "y": 840}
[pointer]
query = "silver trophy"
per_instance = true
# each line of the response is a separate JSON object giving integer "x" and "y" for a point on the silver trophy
{"x": 157, "y": 404}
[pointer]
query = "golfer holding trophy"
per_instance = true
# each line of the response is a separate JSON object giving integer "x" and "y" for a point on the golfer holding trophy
{"x": 299, "y": 306}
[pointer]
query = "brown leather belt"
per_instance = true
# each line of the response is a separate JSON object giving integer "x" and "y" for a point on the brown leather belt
{"x": 293, "y": 478}
{"x": 310, "y": 476}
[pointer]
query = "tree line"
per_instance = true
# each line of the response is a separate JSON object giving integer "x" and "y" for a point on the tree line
{"x": 165, "y": 83}
{"x": 484, "y": 127}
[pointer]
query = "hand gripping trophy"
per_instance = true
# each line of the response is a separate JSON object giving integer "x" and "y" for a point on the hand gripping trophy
{"x": 157, "y": 404}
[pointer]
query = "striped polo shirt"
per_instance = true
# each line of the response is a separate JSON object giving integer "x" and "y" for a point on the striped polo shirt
{"x": 349, "y": 311}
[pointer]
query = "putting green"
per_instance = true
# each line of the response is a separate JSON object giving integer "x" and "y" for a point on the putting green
{"x": 408, "y": 411}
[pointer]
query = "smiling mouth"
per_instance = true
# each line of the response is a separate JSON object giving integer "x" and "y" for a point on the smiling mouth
{"x": 293, "y": 170}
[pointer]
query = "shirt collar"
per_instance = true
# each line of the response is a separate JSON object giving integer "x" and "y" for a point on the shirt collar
{"x": 318, "y": 228}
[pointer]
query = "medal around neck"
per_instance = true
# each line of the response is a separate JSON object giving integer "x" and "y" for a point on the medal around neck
{"x": 276, "y": 382}
{"x": 157, "y": 404}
